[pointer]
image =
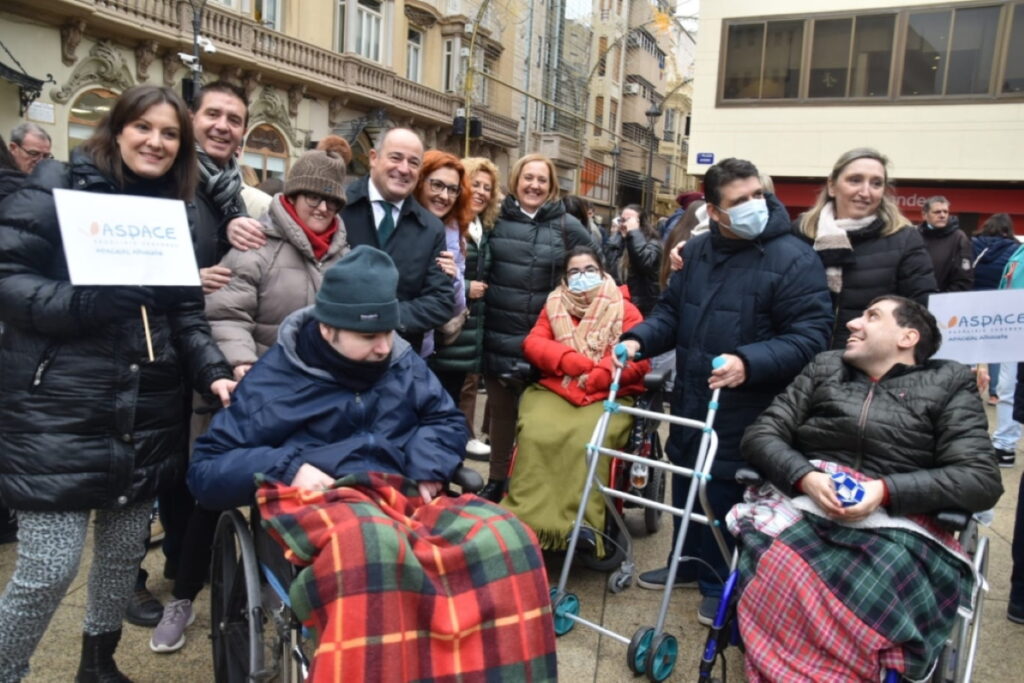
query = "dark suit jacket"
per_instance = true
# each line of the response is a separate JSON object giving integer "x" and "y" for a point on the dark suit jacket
{"x": 425, "y": 294}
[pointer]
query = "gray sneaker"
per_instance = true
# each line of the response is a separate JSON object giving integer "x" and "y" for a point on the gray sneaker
{"x": 169, "y": 635}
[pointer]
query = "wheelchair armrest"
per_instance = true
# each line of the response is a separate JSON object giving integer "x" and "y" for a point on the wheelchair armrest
{"x": 953, "y": 520}
{"x": 749, "y": 477}
{"x": 468, "y": 480}
{"x": 655, "y": 379}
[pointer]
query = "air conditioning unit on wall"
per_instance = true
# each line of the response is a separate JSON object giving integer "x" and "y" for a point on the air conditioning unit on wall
{"x": 631, "y": 89}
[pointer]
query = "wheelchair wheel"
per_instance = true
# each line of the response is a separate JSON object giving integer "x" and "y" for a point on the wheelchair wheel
{"x": 655, "y": 490}
{"x": 236, "y": 610}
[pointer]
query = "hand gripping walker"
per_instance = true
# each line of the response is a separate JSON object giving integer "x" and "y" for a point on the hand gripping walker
{"x": 650, "y": 651}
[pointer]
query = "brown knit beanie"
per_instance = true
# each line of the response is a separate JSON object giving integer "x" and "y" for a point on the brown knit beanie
{"x": 320, "y": 173}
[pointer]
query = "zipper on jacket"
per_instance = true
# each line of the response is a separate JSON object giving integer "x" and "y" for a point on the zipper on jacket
{"x": 862, "y": 423}
{"x": 44, "y": 363}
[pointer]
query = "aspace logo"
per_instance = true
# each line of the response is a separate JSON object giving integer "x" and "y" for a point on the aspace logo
{"x": 981, "y": 322}
{"x": 984, "y": 327}
{"x": 129, "y": 231}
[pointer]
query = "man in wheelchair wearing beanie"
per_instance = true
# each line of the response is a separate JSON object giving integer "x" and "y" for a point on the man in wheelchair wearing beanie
{"x": 347, "y": 441}
{"x": 838, "y": 590}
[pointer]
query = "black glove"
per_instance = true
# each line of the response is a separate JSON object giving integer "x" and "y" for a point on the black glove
{"x": 107, "y": 304}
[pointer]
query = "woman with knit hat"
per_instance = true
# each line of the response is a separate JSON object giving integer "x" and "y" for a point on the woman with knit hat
{"x": 305, "y": 236}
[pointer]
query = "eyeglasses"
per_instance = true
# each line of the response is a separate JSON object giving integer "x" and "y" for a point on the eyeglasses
{"x": 437, "y": 187}
{"x": 313, "y": 201}
{"x": 35, "y": 153}
{"x": 589, "y": 270}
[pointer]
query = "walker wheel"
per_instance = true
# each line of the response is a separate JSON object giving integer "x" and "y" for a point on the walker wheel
{"x": 619, "y": 581}
{"x": 661, "y": 657}
{"x": 636, "y": 652}
{"x": 567, "y": 604}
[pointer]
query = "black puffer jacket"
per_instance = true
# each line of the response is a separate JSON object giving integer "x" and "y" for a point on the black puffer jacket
{"x": 466, "y": 352}
{"x": 10, "y": 180}
{"x": 639, "y": 258}
{"x": 210, "y": 227}
{"x": 921, "y": 428}
{"x": 890, "y": 264}
{"x": 527, "y": 256}
{"x": 85, "y": 420}
{"x": 951, "y": 254}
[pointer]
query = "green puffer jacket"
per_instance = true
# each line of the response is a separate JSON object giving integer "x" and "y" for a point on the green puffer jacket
{"x": 465, "y": 353}
{"x": 921, "y": 429}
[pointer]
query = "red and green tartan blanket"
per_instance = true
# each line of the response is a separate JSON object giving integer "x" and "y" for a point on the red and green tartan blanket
{"x": 825, "y": 601}
{"x": 395, "y": 590}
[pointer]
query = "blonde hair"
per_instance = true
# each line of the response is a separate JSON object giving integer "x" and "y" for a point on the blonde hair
{"x": 474, "y": 165}
{"x": 517, "y": 170}
{"x": 249, "y": 176}
{"x": 892, "y": 218}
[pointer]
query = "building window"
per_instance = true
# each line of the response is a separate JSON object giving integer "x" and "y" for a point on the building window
{"x": 763, "y": 60}
{"x": 616, "y": 58}
{"x": 602, "y": 57}
{"x": 613, "y": 116}
{"x": 266, "y": 151}
{"x": 268, "y": 13}
{"x": 948, "y": 52}
{"x": 369, "y": 20}
{"x": 414, "y": 56}
{"x": 448, "y": 66}
{"x": 1013, "y": 78}
{"x": 86, "y": 112}
{"x": 598, "y": 114}
{"x": 340, "y": 23}
{"x": 851, "y": 57}
{"x": 484, "y": 83}
{"x": 669, "y": 131}
{"x": 596, "y": 181}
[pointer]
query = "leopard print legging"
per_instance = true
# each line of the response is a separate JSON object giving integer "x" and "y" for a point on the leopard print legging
{"x": 49, "y": 551}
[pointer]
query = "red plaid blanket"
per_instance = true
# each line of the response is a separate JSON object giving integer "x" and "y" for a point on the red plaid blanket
{"x": 400, "y": 591}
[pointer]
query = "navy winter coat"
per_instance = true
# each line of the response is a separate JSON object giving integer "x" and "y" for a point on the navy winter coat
{"x": 286, "y": 413}
{"x": 991, "y": 254}
{"x": 764, "y": 300}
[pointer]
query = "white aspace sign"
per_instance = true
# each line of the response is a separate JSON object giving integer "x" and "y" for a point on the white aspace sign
{"x": 980, "y": 327}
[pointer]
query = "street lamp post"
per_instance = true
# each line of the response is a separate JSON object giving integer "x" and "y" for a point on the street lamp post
{"x": 652, "y": 114}
{"x": 196, "y": 65}
{"x": 615, "y": 177}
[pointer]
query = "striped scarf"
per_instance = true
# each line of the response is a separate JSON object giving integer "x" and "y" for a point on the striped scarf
{"x": 832, "y": 242}
{"x": 221, "y": 185}
{"x": 599, "y": 311}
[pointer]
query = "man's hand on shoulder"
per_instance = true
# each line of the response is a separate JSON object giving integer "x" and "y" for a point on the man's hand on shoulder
{"x": 245, "y": 233}
{"x": 730, "y": 375}
{"x": 312, "y": 478}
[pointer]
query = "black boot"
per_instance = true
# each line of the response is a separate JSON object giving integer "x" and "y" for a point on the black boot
{"x": 97, "y": 664}
{"x": 493, "y": 490}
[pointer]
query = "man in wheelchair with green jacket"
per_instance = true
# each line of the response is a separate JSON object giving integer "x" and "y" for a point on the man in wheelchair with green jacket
{"x": 838, "y": 585}
{"x": 347, "y": 441}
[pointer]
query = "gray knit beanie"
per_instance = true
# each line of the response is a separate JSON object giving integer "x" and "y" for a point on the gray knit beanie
{"x": 359, "y": 292}
{"x": 321, "y": 173}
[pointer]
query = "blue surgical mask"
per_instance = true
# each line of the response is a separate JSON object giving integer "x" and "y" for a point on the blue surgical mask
{"x": 583, "y": 282}
{"x": 748, "y": 220}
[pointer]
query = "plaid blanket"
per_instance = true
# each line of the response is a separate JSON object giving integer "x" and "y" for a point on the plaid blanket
{"x": 826, "y": 601}
{"x": 395, "y": 590}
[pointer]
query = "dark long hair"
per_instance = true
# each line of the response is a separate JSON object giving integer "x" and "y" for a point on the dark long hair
{"x": 6, "y": 160}
{"x": 132, "y": 104}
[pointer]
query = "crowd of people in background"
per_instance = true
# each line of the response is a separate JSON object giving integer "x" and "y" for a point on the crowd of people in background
{"x": 507, "y": 287}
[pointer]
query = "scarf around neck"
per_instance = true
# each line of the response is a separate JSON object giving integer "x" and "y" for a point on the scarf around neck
{"x": 319, "y": 242}
{"x": 832, "y": 242}
{"x": 314, "y": 351}
{"x": 599, "y": 311}
{"x": 221, "y": 185}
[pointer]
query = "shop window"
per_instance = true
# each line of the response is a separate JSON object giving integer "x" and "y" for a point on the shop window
{"x": 762, "y": 60}
{"x": 86, "y": 112}
{"x": 266, "y": 151}
{"x": 851, "y": 57}
{"x": 1013, "y": 78}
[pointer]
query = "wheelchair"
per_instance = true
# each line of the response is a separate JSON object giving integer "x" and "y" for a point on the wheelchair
{"x": 255, "y": 636}
{"x": 638, "y": 479}
{"x": 956, "y": 660}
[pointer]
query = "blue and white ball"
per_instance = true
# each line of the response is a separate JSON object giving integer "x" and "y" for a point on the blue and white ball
{"x": 848, "y": 490}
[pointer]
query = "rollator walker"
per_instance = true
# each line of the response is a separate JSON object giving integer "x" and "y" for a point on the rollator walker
{"x": 650, "y": 650}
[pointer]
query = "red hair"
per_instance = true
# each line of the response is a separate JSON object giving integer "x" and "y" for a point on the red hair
{"x": 460, "y": 211}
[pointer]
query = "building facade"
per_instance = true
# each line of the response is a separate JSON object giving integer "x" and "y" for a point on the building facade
{"x": 309, "y": 68}
{"x": 937, "y": 86}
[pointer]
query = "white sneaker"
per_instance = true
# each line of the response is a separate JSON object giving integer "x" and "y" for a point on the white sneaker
{"x": 478, "y": 448}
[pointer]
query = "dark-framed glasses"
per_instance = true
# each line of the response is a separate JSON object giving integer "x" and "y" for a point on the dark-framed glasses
{"x": 313, "y": 201}
{"x": 437, "y": 187}
{"x": 589, "y": 270}
{"x": 35, "y": 153}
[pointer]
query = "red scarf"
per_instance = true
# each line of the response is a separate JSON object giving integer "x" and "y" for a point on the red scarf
{"x": 320, "y": 242}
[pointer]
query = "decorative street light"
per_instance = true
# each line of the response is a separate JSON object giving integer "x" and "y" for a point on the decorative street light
{"x": 191, "y": 85}
{"x": 652, "y": 114}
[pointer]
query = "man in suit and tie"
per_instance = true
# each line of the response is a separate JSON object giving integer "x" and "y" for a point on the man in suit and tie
{"x": 382, "y": 213}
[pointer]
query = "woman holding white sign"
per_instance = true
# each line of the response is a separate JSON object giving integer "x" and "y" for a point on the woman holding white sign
{"x": 88, "y": 422}
{"x": 867, "y": 246}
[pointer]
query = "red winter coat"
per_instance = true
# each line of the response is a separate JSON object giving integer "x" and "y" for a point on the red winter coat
{"x": 541, "y": 349}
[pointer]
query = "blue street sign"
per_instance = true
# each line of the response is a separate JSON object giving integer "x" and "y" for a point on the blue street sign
{"x": 705, "y": 158}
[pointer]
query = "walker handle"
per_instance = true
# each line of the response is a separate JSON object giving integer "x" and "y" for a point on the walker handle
{"x": 717, "y": 362}
{"x": 620, "y": 354}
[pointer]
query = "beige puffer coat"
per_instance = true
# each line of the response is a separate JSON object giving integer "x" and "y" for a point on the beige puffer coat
{"x": 266, "y": 285}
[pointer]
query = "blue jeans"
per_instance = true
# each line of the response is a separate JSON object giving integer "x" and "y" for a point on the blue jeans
{"x": 1007, "y": 432}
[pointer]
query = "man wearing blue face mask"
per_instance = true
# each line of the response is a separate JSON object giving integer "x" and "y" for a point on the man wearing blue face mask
{"x": 754, "y": 292}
